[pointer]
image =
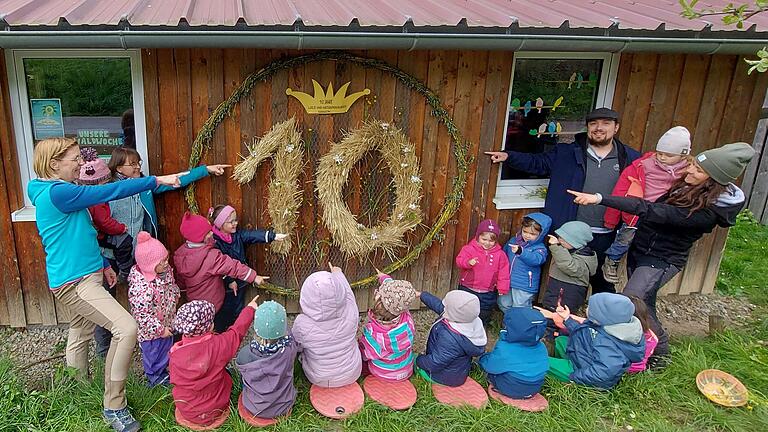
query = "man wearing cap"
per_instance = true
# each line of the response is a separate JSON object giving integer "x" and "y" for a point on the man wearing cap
{"x": 593, "y": 163}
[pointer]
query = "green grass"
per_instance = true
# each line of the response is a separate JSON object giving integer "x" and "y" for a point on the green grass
{"x": 653, "y": 401}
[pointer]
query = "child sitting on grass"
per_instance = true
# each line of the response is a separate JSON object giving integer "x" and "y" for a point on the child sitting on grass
{"x": 200, "y": 267}
{"x": 387, "y": 339}
{"x": 326, "y": 330}
{"x": 518, "y": 363}
{"x": 153, "y": 294}
{"x": 573, "y": 262}
{"x": 484, "y": 268}
{"x": 598, "y": 352}
{"x": 456, "y": 337}
{"x": 266, "y": 364}
{"x": 201, "y": 384}
{"x": 651, "y": 340}
{"x": 526, "y": 253}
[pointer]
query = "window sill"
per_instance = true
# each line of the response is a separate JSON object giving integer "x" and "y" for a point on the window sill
{"x": 24, "y": 214}
{"x": 509, "y": 202}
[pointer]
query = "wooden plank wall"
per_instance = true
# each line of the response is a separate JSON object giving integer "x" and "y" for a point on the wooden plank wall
{"x": 711, "y": 95}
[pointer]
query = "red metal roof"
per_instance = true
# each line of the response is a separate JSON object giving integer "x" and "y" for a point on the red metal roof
{"x": 552, "y": 14}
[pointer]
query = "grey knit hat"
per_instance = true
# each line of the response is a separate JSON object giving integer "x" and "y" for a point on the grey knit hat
{"x": 725, "y": 164}
{"x": 677, "y": 141}
{"x": 461, "y": 306}
{"x": 577, "y": 233}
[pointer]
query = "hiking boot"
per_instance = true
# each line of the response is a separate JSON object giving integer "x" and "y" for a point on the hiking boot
{"x": 658, "y": 362}
{"x": 611, "y": 271}
{"x": 121, "y": 420}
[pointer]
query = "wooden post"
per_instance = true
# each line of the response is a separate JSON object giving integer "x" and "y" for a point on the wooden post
{"x": 716, "y": 324}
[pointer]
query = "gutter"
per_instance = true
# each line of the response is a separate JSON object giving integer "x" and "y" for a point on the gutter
{"x": 128, "y": 39}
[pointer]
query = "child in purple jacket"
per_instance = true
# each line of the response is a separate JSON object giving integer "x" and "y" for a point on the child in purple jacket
{"x": 266, "y": 364}
{"x": 387, "y": 339}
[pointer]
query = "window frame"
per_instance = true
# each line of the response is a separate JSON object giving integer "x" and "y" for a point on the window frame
{"x": 514, "y": 194}
{"x": 19, "y": 98}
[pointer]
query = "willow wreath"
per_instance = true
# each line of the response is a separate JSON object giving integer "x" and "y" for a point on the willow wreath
{"x": 352, "y": 237}
{"x": 283, "y": 144}
{"x": 202, "y": 143}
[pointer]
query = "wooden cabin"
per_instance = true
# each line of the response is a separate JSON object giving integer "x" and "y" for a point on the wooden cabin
{"x": 74, "y": 67}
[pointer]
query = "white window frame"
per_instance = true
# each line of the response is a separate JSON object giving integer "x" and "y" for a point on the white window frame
{"x": 516, "y": 194}
{"x": 22, "y": 125}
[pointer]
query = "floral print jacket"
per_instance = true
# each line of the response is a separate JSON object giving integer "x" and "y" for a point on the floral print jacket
{"x": 153, "y": 304}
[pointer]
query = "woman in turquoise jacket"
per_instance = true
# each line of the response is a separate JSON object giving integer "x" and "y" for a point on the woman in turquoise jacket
{"x": 76, "y": 268}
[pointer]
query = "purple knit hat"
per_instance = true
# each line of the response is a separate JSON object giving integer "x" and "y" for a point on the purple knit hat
{"x": 95, "y": 170}
{"x": 194, "y": 318}
{"x": 488, "y": 225}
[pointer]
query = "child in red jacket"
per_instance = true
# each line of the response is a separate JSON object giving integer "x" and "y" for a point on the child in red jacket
{"x": 201, "y": 384}
{"x": 200, "y": 267}
{"x": 111, "y": 234}
{"x": 484, "y": 267}
{"x": 648, "y": 177}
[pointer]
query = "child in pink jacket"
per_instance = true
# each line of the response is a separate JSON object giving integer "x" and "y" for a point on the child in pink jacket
{"x": 651, "y": 340}
{"x": 387, "y": 339}
{"x": 484, "y": 267}
{"x": 326, "y": 330}
{"x": 200, "y": 267}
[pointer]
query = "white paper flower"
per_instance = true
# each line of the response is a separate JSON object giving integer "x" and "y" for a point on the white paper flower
{"x": 403, "y": 165}
{"x": 406, "y": 149}
{"x": 360, "y": 226}
{"x": 412, "y": 207}
{"x": 400, "y": 216}
{"x": 374, "y": 236}
{"x": 415, "y": 179}
{"x": 385, "y": 126}
{"x": 289, "y": 148}
{"x": 338, "y": 159}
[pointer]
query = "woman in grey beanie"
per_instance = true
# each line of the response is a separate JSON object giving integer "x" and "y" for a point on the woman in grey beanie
{"x": 695, "y": 205}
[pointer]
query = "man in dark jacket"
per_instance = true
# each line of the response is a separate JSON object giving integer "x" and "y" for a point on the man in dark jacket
{"x": 592, "y": 162}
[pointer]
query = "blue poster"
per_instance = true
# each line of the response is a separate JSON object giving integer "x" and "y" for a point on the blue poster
{"x": 47, "y": 121}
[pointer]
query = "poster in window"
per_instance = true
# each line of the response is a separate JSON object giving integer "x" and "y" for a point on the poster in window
{"x": 47, "y": 121}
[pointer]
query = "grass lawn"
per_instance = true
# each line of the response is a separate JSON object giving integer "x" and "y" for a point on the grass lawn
{"x": 658, "y": 401}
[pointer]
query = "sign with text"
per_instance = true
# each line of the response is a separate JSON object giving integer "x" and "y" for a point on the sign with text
{"x": 326, "y": 101}
{"x": 98, "y": 137}
{"x": 47, "y": 121}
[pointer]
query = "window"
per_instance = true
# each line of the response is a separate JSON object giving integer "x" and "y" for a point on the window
{"x": 78, "y": 94}
{"x": 550, "y": 95}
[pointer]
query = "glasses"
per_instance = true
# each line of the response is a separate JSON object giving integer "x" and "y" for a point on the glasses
{"x": 77, "y": 159}
{"x": 134, "y": 165}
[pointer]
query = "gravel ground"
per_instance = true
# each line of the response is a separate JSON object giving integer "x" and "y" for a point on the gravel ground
{"x": 682, "y": 315}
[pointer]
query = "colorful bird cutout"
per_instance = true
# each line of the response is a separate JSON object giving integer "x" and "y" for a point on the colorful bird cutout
{"x": 527, "y": 108}
{"x": 514, "y": 105}
{"x": 571, "y": 80}
{"x": 539, "y": 104}
{"x": 551, "y": 128}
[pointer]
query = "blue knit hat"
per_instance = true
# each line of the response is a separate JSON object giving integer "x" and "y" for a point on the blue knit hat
{"x": 577, "y": 233}
{"x": 270, "y": 321}
{"x": 524, "y": 325}
{"x": 608, "y": 309}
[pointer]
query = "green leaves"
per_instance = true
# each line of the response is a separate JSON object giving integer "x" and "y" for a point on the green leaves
{"x": 760, "y": 64}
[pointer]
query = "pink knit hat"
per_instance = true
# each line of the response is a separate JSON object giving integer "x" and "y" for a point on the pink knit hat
{"x": 194, "y": 227}
{"x": 488, "y": 225}
{"x": 149, "y": 253}
{"x": 95, "y": 170}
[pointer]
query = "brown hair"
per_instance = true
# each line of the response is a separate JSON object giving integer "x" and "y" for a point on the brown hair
{"x": 120, "y": 156}
{"x": 215, "y": 213}
{"x": 695, "y": 197}
{"x": 381, "y": 313}
{"x": 641, "y": 312}
{"x": 493, "y": 235}
{"x": 530, "y": 223}
{"x": 48, "y": 150}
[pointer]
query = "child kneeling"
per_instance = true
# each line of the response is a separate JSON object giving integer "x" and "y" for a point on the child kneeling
{"x": 387, "y": 340}
{"x": 518, "y": 363}
{"x": 266, "y": 364}
{"x": 456, "y": 337}
{"x": 598, "y": 351}
{"x": 201, "y": 384}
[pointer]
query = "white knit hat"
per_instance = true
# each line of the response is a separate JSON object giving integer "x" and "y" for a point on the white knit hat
{"x": 675, "y": 141}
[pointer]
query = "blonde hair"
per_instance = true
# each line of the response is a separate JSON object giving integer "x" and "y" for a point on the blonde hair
{"x": 48, "y": 150}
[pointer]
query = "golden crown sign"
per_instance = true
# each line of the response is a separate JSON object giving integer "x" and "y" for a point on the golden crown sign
{"x": 325, "y": 101}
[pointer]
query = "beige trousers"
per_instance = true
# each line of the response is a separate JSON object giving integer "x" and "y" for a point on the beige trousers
{"x": 89, "y": 305}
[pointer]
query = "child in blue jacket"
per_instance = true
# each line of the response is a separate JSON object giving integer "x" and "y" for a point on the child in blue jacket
{"x": 456, "y": 337}
{"x": 526, "y": 253}
{"x": 518, "y": 363}
{"x": 231, "y": 241}
{"x": 599, "y": 350}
